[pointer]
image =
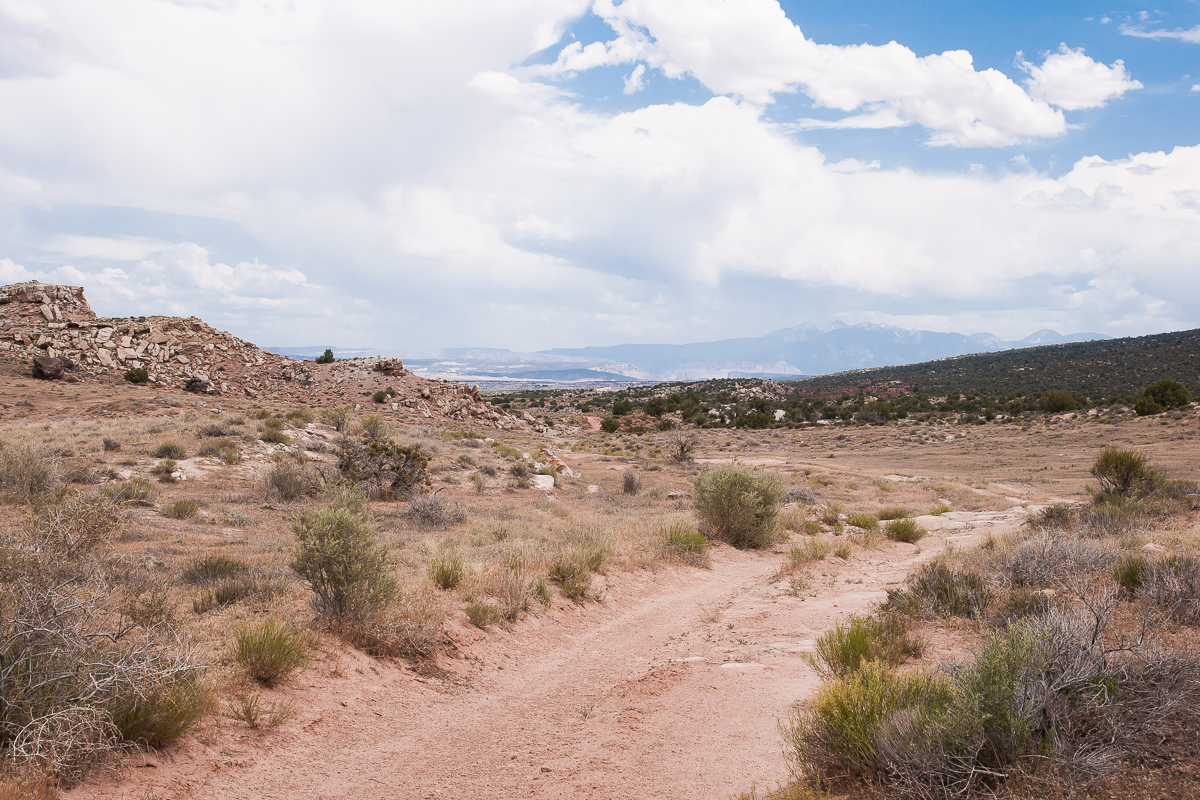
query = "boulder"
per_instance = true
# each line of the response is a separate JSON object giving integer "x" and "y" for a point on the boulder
{"x": 48, "y": 368}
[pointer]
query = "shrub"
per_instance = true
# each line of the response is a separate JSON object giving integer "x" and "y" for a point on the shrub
{"x": 482, "y": 615}
{"x": 384, "y": 469}
{"x": 939, "y": 509}
{"x": 831, "y": 514}
{"x": 1119, "y": 470}
{"x": 572, "y": 568}
{"x": 213, "y": 431}
{"x": 227, "y": 591}
{"x": 156, "y": 715}
{"x": 864, "y": 521}
{"x": 224, "y": 449}
{"x": 165, "y": 470}
{"x": 685, "y": 543}
{"x": 410, "y": 628}
{"x": 288, "y": 480}
{"x": 938, "y": 589}
{"x": 326, "y": 357}
{"x": 630, "y": 482}
{"x": 26, "y": 473}
{"x": 250, "y": 709}
{"x": 681, "y": 446}
{"x": 431, "y": 512}
{"x": 209, "y": 569}
{"x": 739, "y": 506}
{"x": 809, "y": 549}
{"x": 380, "y": 396}
{"x": 375, "y": 428}
{"x": 1056, "y": 401}
{"x": 840, "y": 733}
{"x": 300, "y": 416}
{"x": 111, "y": 445}
{"x": 610, "y": 424}
{"x": 271, "y": 650}
{"x": 1167, "y": 393}
{"x": 905, "y": 530}
{"x": 135, "y": 492}
{"x": 446, "y": 571}
{"x": 1147, "y": 407}
{"x": 274, "y": 435}
{"x": 181, "y": 509}
{"x": 170, "y": 449}
{"x": 519, "y": 470}
{"x": 347, "y": 569}
{"x": 892, "y": 512}
{"x": 138, "y": 375}
{"x": 861, "y": 640}
{"x": 337, "y": 417}
{"x": 1173, "y": 584}
{"x": 1048, "y": 558}
{"x": 1056, "y": 515}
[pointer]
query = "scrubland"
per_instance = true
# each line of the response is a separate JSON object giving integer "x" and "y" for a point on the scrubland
{"x": 232, "y": 595}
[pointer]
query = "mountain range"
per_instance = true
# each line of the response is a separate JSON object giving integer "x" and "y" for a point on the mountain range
{"x": 806, "y": 349}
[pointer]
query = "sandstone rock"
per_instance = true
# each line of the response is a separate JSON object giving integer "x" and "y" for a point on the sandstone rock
{"x": 48, "y": 368}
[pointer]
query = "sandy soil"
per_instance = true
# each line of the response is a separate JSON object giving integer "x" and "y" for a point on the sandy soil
{"x": 670, "y": 688}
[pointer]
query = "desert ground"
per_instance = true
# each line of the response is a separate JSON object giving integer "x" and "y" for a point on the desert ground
{"x": 665, "y": 679}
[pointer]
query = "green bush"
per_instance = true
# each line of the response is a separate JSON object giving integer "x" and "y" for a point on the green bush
{"x": 172, "y": 450}
{"x": 446, "y": 571}
{"x": 380, "y": 396}
{"x": 300, "y": 416}
{"x": 272, "y": 435}
{"x": 1130, "y": 573}
{"x": 337, "y": 417}
{"x": 224, "y": 449}
{"x": 326, "y": 357}
{"x": 739, "y": 506}
{"x": 154, "y": 716}
{"x": 165, "y": 470}
{"x": 940, "y": 590}
{"x": 1147, "y": 407}
{"x": 1167, "y": 393}
{"x": 864, "y": 521}
{"x": 347, "y": 569}
{"x": 138, "y": 375}
{"x": 573, "y": 567}
{"x": 270, "y": 650}
{"x": 905, "y": 530}
{"x": 288, "y": 480}
{"x": 610, "y": 424}
{"x": 384, "y": 469}
{"x": 482, "y": 615}
{"x": 686, "y": 543}
{"x": 1119, "y": 470}
{"x": 181, "y": 509}
{"x": 861, "y": 640}
{"x": 1056, "y": 401}
{"x": 892, "y": 512}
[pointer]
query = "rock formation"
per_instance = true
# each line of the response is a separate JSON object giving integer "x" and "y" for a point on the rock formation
{"x": 54, "y": 332}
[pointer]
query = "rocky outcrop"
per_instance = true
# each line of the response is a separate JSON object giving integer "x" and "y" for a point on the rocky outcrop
{"x": 52, "y": 328}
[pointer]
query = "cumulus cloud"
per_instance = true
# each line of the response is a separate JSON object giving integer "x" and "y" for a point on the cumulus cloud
{"x": 1071, "y": 80}
{"x": 396, "y": 181}
{"x": 1190, "y": 35}
{"x": 750, "y": 49}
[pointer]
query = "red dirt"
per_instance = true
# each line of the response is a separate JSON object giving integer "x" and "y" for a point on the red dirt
{"x": 672, "y": 687}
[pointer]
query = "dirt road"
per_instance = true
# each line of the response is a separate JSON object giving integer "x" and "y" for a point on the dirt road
{"x": 671, "y": 687}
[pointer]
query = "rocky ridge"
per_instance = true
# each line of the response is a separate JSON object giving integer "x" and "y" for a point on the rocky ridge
{"x": 54, "y": 329}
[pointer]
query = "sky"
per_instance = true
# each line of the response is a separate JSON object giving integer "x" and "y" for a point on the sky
{"x": 532, "y": 174}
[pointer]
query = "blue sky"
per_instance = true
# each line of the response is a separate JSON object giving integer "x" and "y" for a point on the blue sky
{"x": 545, "y": 173}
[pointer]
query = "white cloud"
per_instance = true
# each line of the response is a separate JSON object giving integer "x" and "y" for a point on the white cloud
{"x": 1071, "y": 80}
{"x": 1196, "y": 87}
{"x": 750, "y": 49}
{"x": 409, "y": 187}
{"x": 1191, "y": 35}
{"x": 634, "y": 82}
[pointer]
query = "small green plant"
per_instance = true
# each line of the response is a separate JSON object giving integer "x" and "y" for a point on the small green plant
{"x": 861, "y": 640}
{"x": 831, "y": 514}
{"x": 135, "y": 492}
{"x": 843, "y": 550}
{"x": 892, "y": 512}
{"x": 573, "y": 567}
{"x": 337, "y": 417}
{"x": 739, "y": 506}
{"x": 165, "y": 470}
{"x": 810, "y": 549}
{"x": 630, "y": 482}
{"x": 326, "y": 357}
{"x": 250, "y": 709}
{"x": 939, "y": 589}
{"x": 380, "y": 397}
{"x": 169, "y": 449}
{"x": 138, "y": 375}
{"x": 274, "y": 435}
{"x": 939, "y": 509}
{"x": 864, "y": 521}
{"x": 157, "y": 715}
{"x": 181, "y": 509}
{"x": 300, "y": 416}
{"x": 685, "y": 543}
{"x": 905, "y": 530}
{"x": 1131, "y": 572}
{"x": 1119, "y": 470}
{"x": 446, "y": 571}
{"x": 610, "y": 424}
{"x": 482, "y": 615}
{"x": 270, "y": 650}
